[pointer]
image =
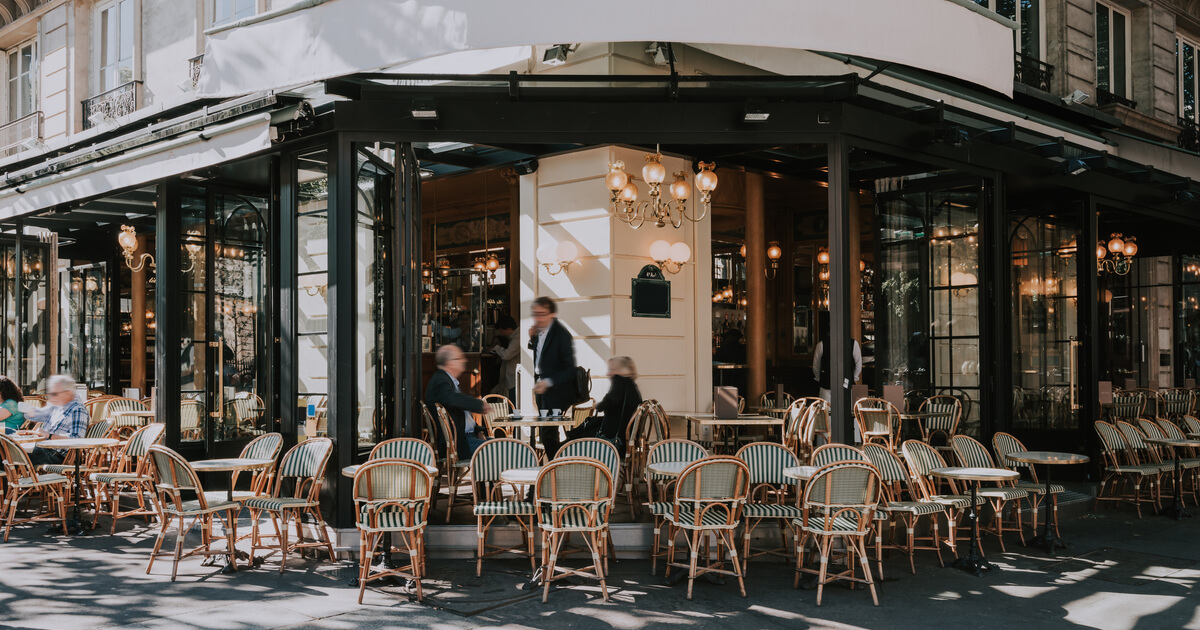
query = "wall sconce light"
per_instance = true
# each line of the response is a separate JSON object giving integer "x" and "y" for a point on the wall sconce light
{"x": 557, "y": 259}
{"x": 129, "y": 243}
{"x": 193, "y": 250}
{"x": 670, "y": 258}
{"x": 774, "y": 253}
{"x": 624, "y": 193}
{"x": 1123, "y": 249}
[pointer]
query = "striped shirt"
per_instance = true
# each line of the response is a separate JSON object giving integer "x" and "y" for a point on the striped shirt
{"x": 70, "y": 421}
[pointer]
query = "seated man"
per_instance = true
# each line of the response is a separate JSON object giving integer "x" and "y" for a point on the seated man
{"x": 443, "y": 388}
{"x": 62, "y": 418}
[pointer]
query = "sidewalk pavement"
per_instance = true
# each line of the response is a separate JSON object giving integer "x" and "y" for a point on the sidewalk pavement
{"x": 1122, "y": 573}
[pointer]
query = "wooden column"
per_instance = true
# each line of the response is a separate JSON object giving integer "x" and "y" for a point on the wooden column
{"x": 137, "y": 318}
{"x": 855, "y": 274}
{"x": 756, "y": 289}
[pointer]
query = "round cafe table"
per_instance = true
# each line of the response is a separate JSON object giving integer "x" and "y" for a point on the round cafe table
{"x": 521, "y": 476}
{"x": 77, "y": 445}
{"x": 230, "y": 465}
{"x": 1177, "y": 508}
{"x": 973, "y": 561}
{"x": 668, "y": 469}
{"x": 1049, "y": 459}
{"x": 801, "y": 473}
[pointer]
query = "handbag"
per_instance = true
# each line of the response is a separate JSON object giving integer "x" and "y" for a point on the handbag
{"x": 615, "y": 440}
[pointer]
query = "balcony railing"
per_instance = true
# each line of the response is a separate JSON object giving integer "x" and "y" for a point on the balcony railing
{"x": 1189, "y": 135}
{"x": 119, "y": 101}
{"x": 195, "y": 64}
{"x": 1033, "y": 72}
{"x": 15, "y": 135}
{"x": 1104, "y": 97}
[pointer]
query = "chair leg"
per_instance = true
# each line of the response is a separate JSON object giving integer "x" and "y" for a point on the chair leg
{"x": 322, "y": 532}
{"x": 861, "y": 543}
{"x": 732, "y": 544}
{"x": 179, "y": 536}
{"x": 550, "y": 547}
{"x": 825, "y": 544}
{"x": 596, "y": 543}
{"x": 366, "y": 556}
{"x": 231, "y": 536}
{"x": 694, "y": 547}
{"x": 162, "y": 534}
{"x": 283, "y": 540}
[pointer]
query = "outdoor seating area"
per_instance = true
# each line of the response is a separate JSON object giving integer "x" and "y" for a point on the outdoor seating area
{"x": 717, "y": 508}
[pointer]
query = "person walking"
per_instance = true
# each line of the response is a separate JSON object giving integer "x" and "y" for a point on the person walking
{"x": 554, "y": 366}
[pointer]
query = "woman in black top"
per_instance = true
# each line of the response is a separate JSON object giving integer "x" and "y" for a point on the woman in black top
{"x": 618, "y": 405}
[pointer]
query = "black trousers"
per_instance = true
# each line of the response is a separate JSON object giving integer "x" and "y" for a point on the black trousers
{"x": 549, "y": 435}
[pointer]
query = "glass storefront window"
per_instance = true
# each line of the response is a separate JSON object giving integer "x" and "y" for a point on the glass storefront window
{"x": 84, "y": 326}
{"x": 312, "y": 281}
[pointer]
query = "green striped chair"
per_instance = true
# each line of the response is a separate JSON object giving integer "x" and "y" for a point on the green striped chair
{"x": 130, "y": 473}
{"x": 265, "y": 446}
{"x": 498, "y": 408}
{"x": 492, "y": 458}
{"x": 709, "y": 498}
{"x": 827, "y": 454}
{"x": 920, "y": 459}
{"x": 125, "y": 425}
{"x": 405, "y": 448}
{"x": 1142, "y": 453}
{"x": 304, "y": 465}
{"x": 839, "y": 504}
{"x": 769, "y": 492}
{"x": 945, "y": 424}
{"x": 972, "y": 454}
{"x": 574, "y": 496}
{"x": 1176, "y": 403}
{"x": 604, "y": 452}
{"x": 391, "y": 496}
{"x": 454, "y": 469}
{"x": 95, "y": 460}
{"x": 1002, "y": 445}
{"x": 1192, "y": 423}
{"x": 676, "y": 450}
{"x": 191, "y": 416}
{"x": 1126, "y": 406}
{"x": 1190, "y": 462}
{"x": 246, "y": 413}
{"x": 23, "y": 480}
{"x": 173, "y": 477}
{"x": 637, "y": 446}
{"x": 793, "y": 421}
{"x": 1122, "y": 466}
{"x": 878, "y": 421}
{"x": 897, "y": 510}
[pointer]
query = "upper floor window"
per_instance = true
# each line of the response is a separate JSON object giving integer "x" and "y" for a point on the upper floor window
{"x": 22, "y": 75}
{"x": 225, "y": 11}
{"x": 1028, "y": 16}
{"x": 1112, "y": 49}
{"x": 1185, "y": 58}
{"x": 116, "y": 44}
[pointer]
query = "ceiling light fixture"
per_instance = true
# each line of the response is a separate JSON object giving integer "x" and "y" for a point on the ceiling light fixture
{"x": 624, "y": 193}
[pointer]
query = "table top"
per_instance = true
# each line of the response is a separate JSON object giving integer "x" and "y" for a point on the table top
{"x": 770, "y": 409}
{"x": 1173, "y": 442}
{"x": 1047, "y": 457}
{"x": 350, "y": 471}
{"x": 18, "y": 438}
{"x": 230, "y": 464}
{"x": 670, "y": 469}
{"x": 800, "y": 472}
{"x": 708, "y": 419}
{"x": 78, "y": 444}
{"x": 975, "y": 474}
{"x": 524, "y": 476}
{"x": 531, "y": 421}
{"x": 138, "y": 414}
{"x": 729, "y": 366}
{"x": 921, "y": 415}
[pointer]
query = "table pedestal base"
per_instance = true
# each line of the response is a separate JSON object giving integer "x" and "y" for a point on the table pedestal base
{"x": 973, "y": 562}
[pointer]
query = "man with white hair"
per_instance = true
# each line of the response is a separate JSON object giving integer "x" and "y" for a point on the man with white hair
{"x": 444, "y": 388}
{"x": 62, "y": 418}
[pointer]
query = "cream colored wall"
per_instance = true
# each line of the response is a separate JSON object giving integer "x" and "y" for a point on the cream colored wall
{"x": 566, "y": 199}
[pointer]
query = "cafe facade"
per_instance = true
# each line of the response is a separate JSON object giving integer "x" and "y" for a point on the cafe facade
{"x": 305, "y": 234}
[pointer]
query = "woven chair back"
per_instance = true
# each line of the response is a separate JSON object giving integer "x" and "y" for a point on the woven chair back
{"x": 713, "y": 490}
{"x": 306, "y": 459}
{"x": 139, "y": 443}
{"x": 766, "y": 461}
{"x": 36, "y": 402}
{"x": 1192, "y": 423}
{"x": 1171, "y": 429}
{"x": 829, "y": 453}
{"x": 1133, "y": 436}
{"x": 602, "y": 451}
{"x": 949, "y": 409}
{"x": 1127, "y": 406}
{"x": 446, "y": 432}
{"x": 245, "y": 409}
{"x": 1112, "y": 445}
{"x": 1175, "y": 403}
{"x": 97, "y": 430}
{"x": 877, "y": 417}
{"x": 971, "y": 453}
{"x": 847, "y": 490}
{"x": 95, "y": 406}
{"x": 1151, "y": 429}
{"x": 574, "y": 480}
{"x": 117, "y": 405}
{"x": 404, "y": 448}
{"x": 1003, "y": 444}
{"x": 190, "y": 413}
{"x": 393, "y": 479}
{"x": 582, "y": 411}
{"x": 173, "y": 476}
{"x": 16, "y": 462}
{"x": 891, "y": 470}
{"x": 265, "y": 446}
{"x": 429, "y": 430}
{"x": 676, "y": 450}
{"x": 498, "y": 407}
{"x": 496, "y": 456}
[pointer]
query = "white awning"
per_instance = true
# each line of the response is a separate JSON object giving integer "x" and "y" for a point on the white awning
{"x": 340, "y": 37}
{"x": 191, "y": 151}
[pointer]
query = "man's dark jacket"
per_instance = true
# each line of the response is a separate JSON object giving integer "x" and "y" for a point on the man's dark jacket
{"x": 441, "y": 390}
{"x": 558, "y": 365}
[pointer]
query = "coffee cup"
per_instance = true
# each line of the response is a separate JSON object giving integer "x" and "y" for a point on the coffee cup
{"x": 558, "y": 412}
{"x": 545, "y": 413}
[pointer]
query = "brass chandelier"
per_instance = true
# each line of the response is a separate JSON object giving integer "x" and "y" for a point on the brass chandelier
{"x": 1123, "y": 249}
{"x": 624, "y": 193}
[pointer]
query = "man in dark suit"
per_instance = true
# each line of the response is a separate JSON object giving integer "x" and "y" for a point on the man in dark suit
{"x": 443, "y": 388}
{"x": 553, "y": 364}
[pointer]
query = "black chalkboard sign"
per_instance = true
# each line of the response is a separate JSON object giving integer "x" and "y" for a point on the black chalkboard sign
{"x": 651, "y": 293}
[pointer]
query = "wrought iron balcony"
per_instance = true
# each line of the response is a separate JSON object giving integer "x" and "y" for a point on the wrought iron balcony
{"x": 1033, "y": 72}
{"x": 119, "y": 101}
{"x": 1104, "y": 97}
{"x": 15, "y": 135}
{"x": 195, "y": 64}
{"x": 1189, "y": 135}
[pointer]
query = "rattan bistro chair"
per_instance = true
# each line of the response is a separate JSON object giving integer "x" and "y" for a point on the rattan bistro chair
{"x": 604, "y": 452}
{"x": 573, "y": 496}
{"x": 392, "y": 496}
{"x": 173, "y": 477}
{"x": 676, "y": 450}
{"x": 22, "y": 481}
{"x": 878, "y": 421}
{"x": 1003, "y": 444}
{"x": 769, "y": 495}
{"x": 456, "y": 470}
{"x": 1174, "y": 404}
{"x": 1119, "y": 466}
{"x": 974, "y": 455}
{"x": 304, "y": 465}
{"x": 839, "y": 503}
{"x": 909, "y": 512}
{"x": 829, "y": 453}
{"x": 709, "y": 498}
{"x": 637, "y": 448}
{"x": 265, "y": 446}
{"x": 130, "y": 473}
{"x": 498, "y": 408}
{"x": 492, "y": 458}
{"x": 920, "y": 459}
